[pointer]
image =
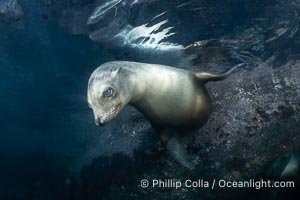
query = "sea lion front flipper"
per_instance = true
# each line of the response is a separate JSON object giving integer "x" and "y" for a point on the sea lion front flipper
{"x": 176, "y": 149}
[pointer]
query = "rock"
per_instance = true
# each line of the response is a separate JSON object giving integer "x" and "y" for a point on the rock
{"x": 255, "y": 118}
{"x": 10, "y": 10}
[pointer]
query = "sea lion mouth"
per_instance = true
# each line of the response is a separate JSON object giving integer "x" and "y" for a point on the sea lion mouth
{"x": 111, "y": 113}
{"x": 119, "y": 105}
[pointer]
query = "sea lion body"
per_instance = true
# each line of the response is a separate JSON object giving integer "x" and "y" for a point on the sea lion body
{"x": 175, "y": 101}
{"x": 171, "y": 97}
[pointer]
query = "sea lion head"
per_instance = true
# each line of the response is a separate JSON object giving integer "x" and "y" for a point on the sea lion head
{"x": 106, "y": 93}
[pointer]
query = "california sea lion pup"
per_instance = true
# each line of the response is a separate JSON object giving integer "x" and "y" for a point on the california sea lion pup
{"x": 175, "y": 101}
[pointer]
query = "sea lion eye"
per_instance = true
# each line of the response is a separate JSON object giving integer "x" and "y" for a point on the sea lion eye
{"x": 108, "y": 92}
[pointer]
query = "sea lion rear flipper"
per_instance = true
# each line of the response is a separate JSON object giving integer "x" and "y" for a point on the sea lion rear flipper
{"x": 205, "y": 77}
{"x": 176, "y": 149}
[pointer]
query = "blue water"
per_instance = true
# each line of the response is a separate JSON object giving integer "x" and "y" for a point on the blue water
{"x": 44, "y": 113}
{"x": 43, "y": 80}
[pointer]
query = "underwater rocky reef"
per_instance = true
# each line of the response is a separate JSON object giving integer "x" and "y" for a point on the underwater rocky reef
{"x": 49, "y": 145}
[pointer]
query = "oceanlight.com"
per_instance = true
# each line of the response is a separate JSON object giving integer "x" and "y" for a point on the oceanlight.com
{"x": 200, "y": 183}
